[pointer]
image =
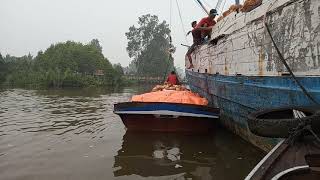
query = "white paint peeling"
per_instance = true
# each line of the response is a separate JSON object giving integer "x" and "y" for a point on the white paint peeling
{"x": 247, "y": 48}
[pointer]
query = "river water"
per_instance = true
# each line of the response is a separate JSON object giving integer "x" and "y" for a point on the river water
{"x": 73, "y": 134}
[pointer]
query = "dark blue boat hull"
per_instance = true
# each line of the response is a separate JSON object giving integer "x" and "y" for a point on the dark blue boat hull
{"x": 237, "y": 96}
{"x": 166, "y": 117}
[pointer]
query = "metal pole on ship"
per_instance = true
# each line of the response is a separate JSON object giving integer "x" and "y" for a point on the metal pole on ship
{"x": 202, "y": 6}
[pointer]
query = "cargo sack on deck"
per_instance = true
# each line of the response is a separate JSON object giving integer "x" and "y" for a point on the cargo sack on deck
{"x": 219, "y": 18}
{"x": 249, "y": 5}
{"x": 171, "y": 96}
{"x": 169, "y": 87}
{"x": 232, "y": 8}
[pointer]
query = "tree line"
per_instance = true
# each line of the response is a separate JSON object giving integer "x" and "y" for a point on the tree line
{"x": 73, "y": 64}
{"x": 67, "y": 64}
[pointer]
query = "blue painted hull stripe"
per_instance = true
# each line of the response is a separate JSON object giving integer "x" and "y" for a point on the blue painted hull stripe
{"x": 165, "y": 112}
{"x": 168, "y": 107}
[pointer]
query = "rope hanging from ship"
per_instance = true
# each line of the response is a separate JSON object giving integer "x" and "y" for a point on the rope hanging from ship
{"x": 288, "y": 68}
{"x": 170, "y": 44}
{"x": 181, "y": 21}
{"x": 302, "y": 127}
{"x": 170, "y": 38}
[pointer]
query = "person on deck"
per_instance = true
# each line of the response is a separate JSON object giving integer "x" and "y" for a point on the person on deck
{"x": 172, "y": 79}
{"x": 197, "y": 40}
{"x": 193, "y": 25}
{"x": 201, "y": 31}
{"x": 206, "y": 24}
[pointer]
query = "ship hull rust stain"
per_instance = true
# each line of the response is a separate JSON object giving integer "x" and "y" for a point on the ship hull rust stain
{"x": 238, "y": 96}
{"x": 244, "y": 72}
{"x": 247, "y": 49}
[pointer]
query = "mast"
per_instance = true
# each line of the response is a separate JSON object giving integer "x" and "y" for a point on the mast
{"x": 202, "y": 6}
{"x": 237, "y": 2}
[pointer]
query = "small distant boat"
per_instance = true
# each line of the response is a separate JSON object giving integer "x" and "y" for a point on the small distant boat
{"x": 298, "y": 156}
{"x": 166, "y": 117}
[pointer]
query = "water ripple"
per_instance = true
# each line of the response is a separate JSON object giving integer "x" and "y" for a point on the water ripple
{"x": 27, "y": 111}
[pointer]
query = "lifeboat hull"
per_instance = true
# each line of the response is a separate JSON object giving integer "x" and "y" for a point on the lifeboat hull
{"x": 166, "y": 117}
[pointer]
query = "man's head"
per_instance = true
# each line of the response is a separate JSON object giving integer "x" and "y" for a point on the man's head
{"x": 194, "y": 23}
{"x": 213, "y": 13}
{"x": 172, "y": 72}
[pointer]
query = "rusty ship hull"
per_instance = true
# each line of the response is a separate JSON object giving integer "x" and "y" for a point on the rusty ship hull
{"x": 239, "y": 70}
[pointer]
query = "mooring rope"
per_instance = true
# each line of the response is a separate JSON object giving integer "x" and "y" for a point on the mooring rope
{"x": 288, "y": 68}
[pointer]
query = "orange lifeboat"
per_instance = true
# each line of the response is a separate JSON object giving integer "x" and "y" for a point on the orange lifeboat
{"x": 168, "y": 108}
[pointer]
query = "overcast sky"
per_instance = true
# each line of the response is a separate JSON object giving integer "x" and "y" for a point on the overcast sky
{"x": 33, "y": 25}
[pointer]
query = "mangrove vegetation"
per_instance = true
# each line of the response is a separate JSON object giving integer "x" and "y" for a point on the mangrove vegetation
{"x": 67, "y": 64}
{"x": 74, "y": 64}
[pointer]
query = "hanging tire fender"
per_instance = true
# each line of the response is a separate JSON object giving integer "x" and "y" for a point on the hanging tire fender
{"x": 280, "y": 122}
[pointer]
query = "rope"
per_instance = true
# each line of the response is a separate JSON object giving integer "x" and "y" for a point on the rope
{"x": 268, "y": 9}
{"x": 170, "y": 21}
{"x": 166, "y": 71}
{"x": 218, "y": 4}
{"x": 299, "y": 131}
{"x": 303, "y": 126}
{"x": 288, "y": 68}
{"x": 199, "y": 6}
{"x": 313, "y": 133}
{"x": 170, "y": 44}
{"x": 207, "y": 4}
{"x": 184, "y": 31}
{"x": 224, "y": 3}
{"x": 202, "y": 7}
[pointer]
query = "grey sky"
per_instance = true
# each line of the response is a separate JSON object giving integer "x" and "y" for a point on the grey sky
{"x": 33, "y": 25}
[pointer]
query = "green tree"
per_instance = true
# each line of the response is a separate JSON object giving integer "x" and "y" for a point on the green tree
{"x": 62, "y": 65}
{"x": 149, "y": 45}
{"x": 132, "y": 68}
{"x": 19, "y": 70}
{"x": 96, "y": 44}
{"x": 76, "y": 57}
{"x": 118, "y": 69}
{"x": 75, "y": 62}
{"x": 2, "y": 69}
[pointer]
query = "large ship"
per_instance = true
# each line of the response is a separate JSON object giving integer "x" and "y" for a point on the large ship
{"x": 240, "y": 71}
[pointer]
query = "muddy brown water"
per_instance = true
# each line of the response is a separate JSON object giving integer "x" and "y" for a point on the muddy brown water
{"x": 73, "y": 134}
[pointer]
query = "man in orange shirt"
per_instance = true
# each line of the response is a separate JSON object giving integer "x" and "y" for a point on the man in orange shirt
{"x": 172, "y": 79}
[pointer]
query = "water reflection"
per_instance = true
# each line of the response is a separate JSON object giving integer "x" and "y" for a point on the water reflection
{"x": 73, "y": 134}
{"x": 185, "y": 155}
